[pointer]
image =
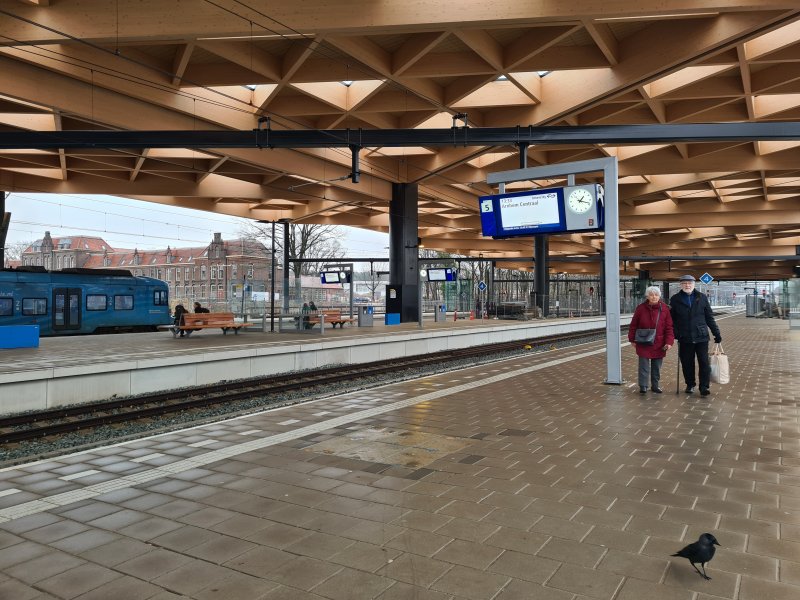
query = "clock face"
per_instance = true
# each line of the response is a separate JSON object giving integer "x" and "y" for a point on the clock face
{"x": 580, "y": 201}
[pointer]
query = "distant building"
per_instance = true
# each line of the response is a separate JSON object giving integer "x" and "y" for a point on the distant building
{"x": 62, "y": 253}
{"x": 216, "y": 273}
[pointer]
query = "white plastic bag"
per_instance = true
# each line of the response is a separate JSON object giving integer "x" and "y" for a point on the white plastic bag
{"x": 720, "y": 371}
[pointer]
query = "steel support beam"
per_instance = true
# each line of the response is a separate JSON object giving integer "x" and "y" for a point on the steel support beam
{"x": 372, "y": 138}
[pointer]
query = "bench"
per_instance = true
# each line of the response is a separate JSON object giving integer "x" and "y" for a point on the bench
{"x": 195, "y": 321}
{"x": 333, "y": 316}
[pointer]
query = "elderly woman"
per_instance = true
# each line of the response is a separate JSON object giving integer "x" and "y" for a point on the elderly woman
{"x": 653, "y": 313}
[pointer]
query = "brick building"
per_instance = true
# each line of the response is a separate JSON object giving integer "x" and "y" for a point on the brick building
{"x": 214, "y": 274}
{"x": 62, "y": 253}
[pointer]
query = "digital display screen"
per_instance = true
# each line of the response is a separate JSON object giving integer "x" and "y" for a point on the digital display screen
{"x": 441, "y": 275}
{"x": 331, "y": 277}
{"x": 529, "y": 211}
{"x": 542, "y": 211}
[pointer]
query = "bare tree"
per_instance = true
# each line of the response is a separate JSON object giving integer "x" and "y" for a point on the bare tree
{"x": 370, "y": 277}
{"x": 315, "y": 242}
{"x": 14, "y": 250}
{"x": 306, "y": 241}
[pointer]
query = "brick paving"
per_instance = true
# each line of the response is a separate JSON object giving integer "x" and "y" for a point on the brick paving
{"x": 526, "y": 478}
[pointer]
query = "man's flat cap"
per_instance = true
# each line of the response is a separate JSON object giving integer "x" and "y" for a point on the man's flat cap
{"x": 686, "y": 278}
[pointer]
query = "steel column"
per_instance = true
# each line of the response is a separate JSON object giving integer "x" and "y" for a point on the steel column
{"x": 404, "y": 248}
{"x": 541, "y": 283}
{"x": 286, "y": 232}
{"x": 272, "y": 285}
{"x": 5, "y": 221}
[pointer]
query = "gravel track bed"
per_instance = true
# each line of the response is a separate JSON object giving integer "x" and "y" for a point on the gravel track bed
{"x": 102, "y": 436}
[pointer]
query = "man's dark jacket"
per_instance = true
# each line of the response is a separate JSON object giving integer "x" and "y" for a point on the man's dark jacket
{"x": 691, "y": 324}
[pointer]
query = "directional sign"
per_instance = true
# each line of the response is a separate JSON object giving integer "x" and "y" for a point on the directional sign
{"x": 482, "y": 286}
{"x": 706, "y": 278}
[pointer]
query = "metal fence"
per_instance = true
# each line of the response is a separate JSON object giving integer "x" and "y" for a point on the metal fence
{"x": 507, "y": 300}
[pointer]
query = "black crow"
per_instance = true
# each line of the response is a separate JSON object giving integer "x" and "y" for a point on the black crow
{"x": 702, "y": 551}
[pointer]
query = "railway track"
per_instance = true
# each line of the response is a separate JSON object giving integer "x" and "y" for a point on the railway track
{"x": 68, "y": 420}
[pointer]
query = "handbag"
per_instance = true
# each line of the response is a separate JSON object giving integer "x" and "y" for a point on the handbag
{"x": 646, "y": 337}
{"x": 720, "y": 370}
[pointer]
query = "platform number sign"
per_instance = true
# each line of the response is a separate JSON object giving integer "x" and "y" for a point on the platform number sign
{"x": 706, "y": 278}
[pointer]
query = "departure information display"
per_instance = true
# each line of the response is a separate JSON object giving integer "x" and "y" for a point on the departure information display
{"x": 542, "y": 211}
{"x": 441, "y": 275}
{"x": 529, "y": 211}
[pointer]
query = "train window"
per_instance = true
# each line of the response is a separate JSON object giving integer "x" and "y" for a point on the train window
{"x": 34, "y": 306}
{"x": 123, "y": 302}
{"x": 96, "y": 302}
{"x": 160, "y": 297}
{"x": 6, "y": 307}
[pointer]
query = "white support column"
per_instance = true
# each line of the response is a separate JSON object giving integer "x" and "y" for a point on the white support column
{"x": 611, "y": 247}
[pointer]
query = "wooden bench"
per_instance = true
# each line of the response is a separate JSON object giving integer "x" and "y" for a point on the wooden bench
{"x": 332, "y": 316}
{"x": 195, "y": 321}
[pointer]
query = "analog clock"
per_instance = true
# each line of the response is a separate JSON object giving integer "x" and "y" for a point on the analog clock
{"x": 580, "y": 200}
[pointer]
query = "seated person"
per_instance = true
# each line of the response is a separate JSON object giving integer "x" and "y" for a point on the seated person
{"x": 180, "y": 310}
{"x": 200, "y": 309}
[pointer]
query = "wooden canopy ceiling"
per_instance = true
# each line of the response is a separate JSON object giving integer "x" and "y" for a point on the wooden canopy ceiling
{"x": 222, "y": 64}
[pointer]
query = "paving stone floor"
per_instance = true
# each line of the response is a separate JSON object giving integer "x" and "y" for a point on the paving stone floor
{"x": 526, "y": 478}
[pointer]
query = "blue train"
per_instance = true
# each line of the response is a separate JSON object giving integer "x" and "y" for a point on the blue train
{"x": 76, "y": 301}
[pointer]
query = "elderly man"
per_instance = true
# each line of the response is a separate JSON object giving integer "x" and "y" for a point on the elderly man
{"x": 691, "y": 319}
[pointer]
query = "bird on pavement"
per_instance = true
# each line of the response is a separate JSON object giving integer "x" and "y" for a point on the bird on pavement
{"x": 701, "y": 551}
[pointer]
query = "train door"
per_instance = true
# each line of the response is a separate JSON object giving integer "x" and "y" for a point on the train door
{"x": 66, "y": 308}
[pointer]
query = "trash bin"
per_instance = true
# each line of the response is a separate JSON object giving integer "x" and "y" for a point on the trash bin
{"x": 440, "y": 314}
{"x": 365, "y": 316}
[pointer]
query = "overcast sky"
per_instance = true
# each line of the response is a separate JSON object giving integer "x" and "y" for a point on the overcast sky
{"x": 125, "y": 223}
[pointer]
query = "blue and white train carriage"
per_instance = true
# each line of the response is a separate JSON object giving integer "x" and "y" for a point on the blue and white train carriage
{"x": 76, "y": 301}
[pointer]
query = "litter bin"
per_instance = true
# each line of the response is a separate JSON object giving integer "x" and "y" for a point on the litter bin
{"x": 440, "y": 314}
{"x": 365, "y": 316}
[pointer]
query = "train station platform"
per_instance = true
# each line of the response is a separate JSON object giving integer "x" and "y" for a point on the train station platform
{"x": 504, "y": 481}
{"x": 76, "y": 369}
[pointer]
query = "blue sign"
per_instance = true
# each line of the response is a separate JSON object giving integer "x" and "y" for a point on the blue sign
{"x": 706, "y": 278}
{"x": 540, "y": 211}
{"x": 482, "y": 286}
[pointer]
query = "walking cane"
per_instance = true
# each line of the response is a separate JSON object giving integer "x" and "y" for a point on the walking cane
{"x": 678, "y": 374}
